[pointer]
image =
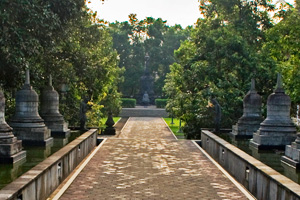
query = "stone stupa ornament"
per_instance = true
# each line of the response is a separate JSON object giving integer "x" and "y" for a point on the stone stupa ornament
{"x": 27, "y": 123}
{"x": 277, "y": 130}
{"x": 10, "y": 147}
{"x": 50, "y": 112}
{"x": 251, "y": 119}
{"x": 110, "y": 129}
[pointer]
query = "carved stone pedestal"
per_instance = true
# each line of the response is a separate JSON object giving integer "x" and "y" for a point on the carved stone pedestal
{"x": 251, "y": 119}
{"x": 292, "y": 153}
{"x": 277, "y": 130}
{"x": 50, "y": 112}
{"x": 10, "y": 146}
{"x": 27, "y": 123}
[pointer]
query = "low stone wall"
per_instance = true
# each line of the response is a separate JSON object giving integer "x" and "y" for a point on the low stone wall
{"x": 143, "y": 112}
{"x": 39, "y": 182}
{"x": 262, "y": 181}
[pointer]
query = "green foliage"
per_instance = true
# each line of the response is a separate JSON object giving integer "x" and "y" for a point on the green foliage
{"x": 283, "y": 47}
{"x": 59, "y": 38}
{"x": 218, "y": 61}
{"x": 128, "y": 103}
{"x": 161, "y": 103}
{"x": 134, "y": 39}
{"x": 94, "y": 115}
{"x": 175, "y": 126}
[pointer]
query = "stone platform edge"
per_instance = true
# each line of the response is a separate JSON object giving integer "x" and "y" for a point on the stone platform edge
{"x": 259, "y": 179}
{"x": 40, "y": 181}
{"x": 143, "y": 112}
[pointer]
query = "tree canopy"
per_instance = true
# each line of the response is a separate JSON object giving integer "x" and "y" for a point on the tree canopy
{"x": 236, "y": 40}
{"x": 135, "y": 38}
{"x": 225, "y": 51}
{"x": 283, "y": 47}
{"x": 60, "y": 38}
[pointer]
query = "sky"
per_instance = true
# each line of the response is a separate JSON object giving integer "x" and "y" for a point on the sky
{"x": 183, "y": 12}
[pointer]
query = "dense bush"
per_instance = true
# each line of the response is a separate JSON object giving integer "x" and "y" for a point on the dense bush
{"x": 128, "y": 103}
{"x": 161, "y": 103}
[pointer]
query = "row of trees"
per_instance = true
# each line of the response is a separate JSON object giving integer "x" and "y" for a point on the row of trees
{"x": 134, "y": 38}
{"x": 235, "y": 41}
{"x": 59, "y": 38}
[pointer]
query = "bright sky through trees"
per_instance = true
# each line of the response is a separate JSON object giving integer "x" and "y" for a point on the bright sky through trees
{"x": 183, "y": 12}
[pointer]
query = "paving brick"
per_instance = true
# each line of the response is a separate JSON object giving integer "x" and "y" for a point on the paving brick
{"x": 146, "y": 162}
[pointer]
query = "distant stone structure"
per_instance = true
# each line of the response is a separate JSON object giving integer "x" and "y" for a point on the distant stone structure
{"x": 27, "y": 123}
{"x": 146, "y": 83}
{"x": 82, "y": 114}
{"x": 277, "y": 130}
{"x": 140, "y": 111}
{"x": 146, "y": 99}
{"x": 251, "y": 119}
{"x": 50, "y": 112}
{"x": 217, "y": 114}
{"x": 10, "y": 147}
{"x": 110, "y": 130}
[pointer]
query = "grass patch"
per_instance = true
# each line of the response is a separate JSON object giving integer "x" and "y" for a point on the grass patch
{"x": 174, "y": 127}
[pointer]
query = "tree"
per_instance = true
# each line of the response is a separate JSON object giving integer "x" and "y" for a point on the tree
{"x": 127, "y": 40}
{"x": 134, "y": 39}
{"x": 161, "y": 43}
{"x": 218, "y": 62}
{"x": 283, "y": 47}
{"x": 61, "y": 38}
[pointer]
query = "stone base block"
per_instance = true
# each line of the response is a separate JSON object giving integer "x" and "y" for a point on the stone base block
{"x": 8, "y": 140}
{"x": 109, "y": 131}
{"x": 272, "y": 140}
{"x": 243, "y": 131}
{"x": 19, "y": 157}
{"x": 34, "y": 136}
{"x": 57, "y": 126}
{"x": 258, "y": 146}
{"x": 291, "y": 162}
{"x": 61, "y": 134}
{"x": 292, "y": 153}
{"x": 8, "y": 150}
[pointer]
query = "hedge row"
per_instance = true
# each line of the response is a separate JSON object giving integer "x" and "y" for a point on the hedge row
{"x": 128, "y": 103}
{"x": 161, "y": 103}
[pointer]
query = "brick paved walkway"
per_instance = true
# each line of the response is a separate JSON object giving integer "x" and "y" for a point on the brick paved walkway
{"x": 147, "y": 162}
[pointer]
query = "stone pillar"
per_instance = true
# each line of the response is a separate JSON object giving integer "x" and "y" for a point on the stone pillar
{"x": 251, "y": 119}
{"x": 50, "y": 112}
{"x": 277, "y": 130}
{"x": 27, "y": 123}
{"x": 10, "y": 147}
